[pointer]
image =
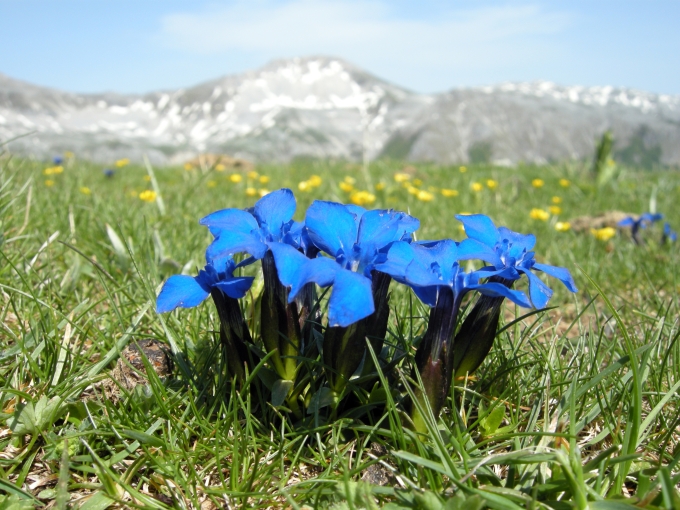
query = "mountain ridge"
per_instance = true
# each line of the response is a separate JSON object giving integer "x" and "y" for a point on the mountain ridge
{"x": 327, "y": 107}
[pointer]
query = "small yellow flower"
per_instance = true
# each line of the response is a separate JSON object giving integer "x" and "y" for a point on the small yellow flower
{"x": 610, "y": 162}
{"x": 85, "y": 190}
{"x": 147, "y": 178}
{"x": 462, "y": 169}
{"x": 476, "y": 187}
{"x": 315, "y": 181}
{"x": 220, "y": 167}
{"x": 212, "y": 184}
{"x": 350, "y": 180}
{"x": 123, "y": 162}
{"x": 68, "y": 155}
{"x": 491, "y": 184}
{"x": 188, "y": 167}
{"x": 562, "y": 226}
{"x": 380, "y": 186}
{"x": 362, "y": 198}
{"x": 603, "y": 234}
{"x": 48, "y": 171}
{"x": 304, "y": 186}
{"x": 417, "y": 182}
{"x": 252, "y": 174}
{"x": 556, "y": 200}
{"x": 538, "y": 183}
{"x": 148, "y": 195}
{"x": 264, "y": 179}
{"x": 251, "y": 192}
{"x": 49, "y": 183}
{"x": 58, "y": 169}
{"x": 425, "y": 196}
{"x": 539, "y": 214}
{"x": 262, "y": 192}
{"x": 564, "y": 183}
{"x": 464, "y": 213}
{"x": 555, "y": 210}
{"x": 235, "y": 178}
{"x": 346, "y": 186}
{"x": 412, "y": 190}
{"x": 449, "y": 192}
{"x": 401, "y": 177}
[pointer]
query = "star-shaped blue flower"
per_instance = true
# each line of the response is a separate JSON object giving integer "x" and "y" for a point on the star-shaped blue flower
{"x": 188, "y": 291}
{"x": 669, "y": 235}
{"x": 509, "y": 255}
{"x": 356, "y": 239}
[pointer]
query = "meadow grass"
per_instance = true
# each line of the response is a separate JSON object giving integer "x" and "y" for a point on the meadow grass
{"x": 576, "y": 407}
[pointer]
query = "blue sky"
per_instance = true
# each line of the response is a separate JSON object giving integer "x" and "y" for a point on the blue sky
{"x": 427, "y": 46}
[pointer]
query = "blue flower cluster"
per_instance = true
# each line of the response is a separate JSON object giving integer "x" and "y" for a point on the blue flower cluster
{"x": 640, "y": 223}
{"x": 356, "y": 252}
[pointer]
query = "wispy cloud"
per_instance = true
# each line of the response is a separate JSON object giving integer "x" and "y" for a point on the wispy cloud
{"x": 424, "y": 53}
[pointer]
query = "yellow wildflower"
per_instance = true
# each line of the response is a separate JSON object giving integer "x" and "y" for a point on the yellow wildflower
{"x": 85, "y": 190}
{"x": 264, "y": 179}
{"x": 188, "y": 167}
{"x": 262, "y": 192}
{"x": 220, "y": 167}
{"x": 123, "y": 162}
{"x": 346, "y": 186}
{"x": 401, "y": 177}
{"x": 380, "y": 186}
{"x": 539, "y": 214}
{"x": 48, "y": 171}
{"x": 315, "y": 181}
{"x": 564, "y": 183}
{"x": 425, "y": 196}
{"x": 349, "y": 179}
{"x": 538, "y": 183}
{"x": 252, "y": 174}
{"x": 147, "y": 178}
{"x": 148, "y": 195}
{"x": 562, "y": 226}
{"x": 68, "y": 154}
{"x": 476, "y": 187}
{"x": 491, "y": 184}
{"x": 603, "y": 234}
{"x": 362, "y": 198}
{"x": 464, "y": 213}
{"x": 449, "y": 192}
{"x": 417, "y": 182}
{"x": 235, "y": 178}
{"x": 49, "y": 182}
{"x": 304, "y": 186}
{"x": 462, "y": 169}
{"x": 556, "y": 200}
{"x": 412, "y": 190}
{"x": 212, "y": 184}
{"x": 251, "y": 192}
{"x": 555, "y": 209}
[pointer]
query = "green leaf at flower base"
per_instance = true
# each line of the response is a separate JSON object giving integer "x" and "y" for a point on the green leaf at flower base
{"x": 35, "y": 418}
{"x": 280, "y": 391}
{"x": 493, "y": 420}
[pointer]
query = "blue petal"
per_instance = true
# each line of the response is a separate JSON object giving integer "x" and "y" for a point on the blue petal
{"x": 235, "y": 287}
{"x": 651, "y": 217}
{"x": 469, "y": 249}
{"x": 499, "y": 290}
{"x": 379, "y": 228}
{"x": 519, "y": 243}
{"x": 560, "y": 273}
{"x": 332, "y": 227}
{"x": 357, "y": 210}
{"x": 274, "y": 210}
{"x": 230, "y": 242}
{"x": 627, "y": 222}
{"x": 479, "y": 227}
{"x": 296, "y": 270}
{"x": 540, "y": 293}
{"x": 427, "y": 295}
{"x": 180, "y": 291}
{"x": 351, "y": 299}
{"x": 398, "y": 258}
{"x": 234, "y": 220}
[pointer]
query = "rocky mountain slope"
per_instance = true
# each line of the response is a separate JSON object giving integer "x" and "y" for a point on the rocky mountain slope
{"x": 326, "y": 107}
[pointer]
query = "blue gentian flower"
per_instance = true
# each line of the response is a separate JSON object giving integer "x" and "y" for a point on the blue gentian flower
{"x": 250, "y": 231}
{"x": 57, "y": 160}
{"x": 509, "y": 255}
{"x": 636, "y": 224}
{"x": 357, "y": 239}
{"x": 187, "y": 291}
{"x": 669, "y": 235}
{"x": 429, "y": 267}
{"x": 108, "y": 172}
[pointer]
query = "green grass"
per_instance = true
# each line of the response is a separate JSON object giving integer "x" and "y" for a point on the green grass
{"x": 576, "y": 407}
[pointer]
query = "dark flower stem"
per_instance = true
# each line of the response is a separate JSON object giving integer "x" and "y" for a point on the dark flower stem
{"x": 234, "y": 333}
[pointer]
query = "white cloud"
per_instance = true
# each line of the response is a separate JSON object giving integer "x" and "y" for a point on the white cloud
{"x": 425, "y": 53}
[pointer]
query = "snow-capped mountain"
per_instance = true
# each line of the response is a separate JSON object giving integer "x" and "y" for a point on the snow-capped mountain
{"x": 326, "y": 107}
